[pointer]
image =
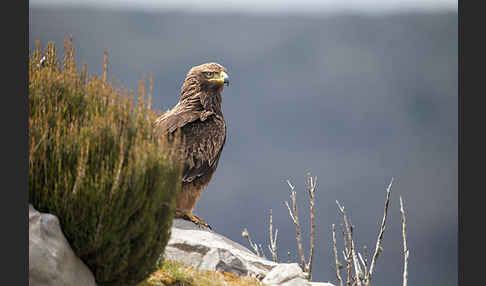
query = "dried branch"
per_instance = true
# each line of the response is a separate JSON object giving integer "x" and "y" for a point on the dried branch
{"x": 105, "y": 66}
{"x": 253, "y": 245}
{"x": 405, "y": 248}
{"x": 347, "y": 258}
{"x": 365, "y": 263}
{"x": 349, "y": 231}
{"x": 262, "y": 253}
{"x": 378, "y": 247}
{"x": 351, "y": 255}
{"x": 349, "y": 268}
{"x": 273, "y": 240}
{"x": 365, "y": 252}
{"x": 338, "y": 264}
{"x": 295, "y": 219}
{"x": 311, "y": 188}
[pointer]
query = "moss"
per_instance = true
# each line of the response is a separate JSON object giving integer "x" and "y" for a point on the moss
{"x": 172, "y": 273}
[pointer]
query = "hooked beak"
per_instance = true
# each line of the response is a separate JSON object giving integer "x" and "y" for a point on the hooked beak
{"x": 225, "y": 78}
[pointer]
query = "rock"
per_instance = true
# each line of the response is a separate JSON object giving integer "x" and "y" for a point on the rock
{"x": 52, "y": 262}
{"x": 206, "y": 250}
{"x": 296, "y": 282}
{"x": 288, "y": 274}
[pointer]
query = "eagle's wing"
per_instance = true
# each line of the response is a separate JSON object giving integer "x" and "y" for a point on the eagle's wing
{"x": 170, "y": 120}
{"x": 204, "y": 135}
{"x": 204, "y": 144}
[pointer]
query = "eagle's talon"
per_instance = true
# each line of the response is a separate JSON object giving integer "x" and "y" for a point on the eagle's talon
{"x": 199, "y": 221}
{"x": 190, "y": 217}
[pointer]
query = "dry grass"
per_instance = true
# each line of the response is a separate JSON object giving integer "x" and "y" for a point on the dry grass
{"x": 174, "y": 273}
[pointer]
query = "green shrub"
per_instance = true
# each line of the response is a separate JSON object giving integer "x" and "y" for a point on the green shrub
{"x": 95, "y": 163}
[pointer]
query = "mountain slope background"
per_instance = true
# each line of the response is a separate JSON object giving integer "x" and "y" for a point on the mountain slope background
{"x": 354, "y": 99}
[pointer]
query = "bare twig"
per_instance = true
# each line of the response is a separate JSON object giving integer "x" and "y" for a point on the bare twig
{"x": 311, "y": 188}
{"x": 349, "y": 231}
{"x": 365, "y": 263}
{"x": 405, "y": 248}
{"x": 349, "y": 268}
{"x": 351, "y": 255}
{"x": 365, "y": 252}
{"x": 253, "y": 245}
{"x": 262, "y": 253}
{"x": 378, "y": 247}
{"x": 273, "y": 240}
{"x": 105, "y": 66}
{"x": 295, "y": 219}
{"x": 338, "y": 264}
{"x": 347, "y": 257}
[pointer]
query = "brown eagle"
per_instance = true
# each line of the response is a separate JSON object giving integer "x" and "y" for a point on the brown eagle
{"x": 199, "y": 119}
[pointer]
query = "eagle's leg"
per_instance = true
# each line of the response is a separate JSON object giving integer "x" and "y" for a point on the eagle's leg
{"x": 186, "y": 202}
{"x": 189, "y": 216}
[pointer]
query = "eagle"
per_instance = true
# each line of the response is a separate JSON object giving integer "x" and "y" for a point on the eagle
{"x": 198, "y": 118}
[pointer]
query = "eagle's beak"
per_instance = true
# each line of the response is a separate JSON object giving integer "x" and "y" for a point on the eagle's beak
{"x": 225, "y": 78}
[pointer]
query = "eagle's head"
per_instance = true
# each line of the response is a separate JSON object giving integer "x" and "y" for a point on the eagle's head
{"x": 204, "y": 84}
{"x": 209, "y": 75}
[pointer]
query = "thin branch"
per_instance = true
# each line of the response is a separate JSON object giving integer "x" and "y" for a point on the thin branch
{"x": 405, "y": 248}
{"x": 361, "y": 259}
{"x": 347, "y": 257}
{"x": 311, "y": 188}
{"x": 295, "y": 218}
{"x": 253, "y": 245}
{"x": 349, "y": 231}
{"x": 380, "y": 234}
{"x": 338, "y": 264}
{"x": 365, "y": 264}
{"x": 262, "y": 253}
{"x": 357, "y": 265}
{"x": 365, "y": 252}
{"x": 105, "y": 66}
{"x": 273, "y": 240}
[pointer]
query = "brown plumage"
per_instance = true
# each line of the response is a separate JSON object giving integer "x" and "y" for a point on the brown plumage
{"x": 199, "y": 118}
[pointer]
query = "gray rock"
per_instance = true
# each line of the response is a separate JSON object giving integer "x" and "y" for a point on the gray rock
{"x": 52, "y": 262}
{"x": 295, "y": 282}
{"x": 288, "y": 274}
{"x": 206, "y": 250}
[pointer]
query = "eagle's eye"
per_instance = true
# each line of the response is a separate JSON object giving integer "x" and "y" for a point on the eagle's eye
{"x": 208, "y": 74}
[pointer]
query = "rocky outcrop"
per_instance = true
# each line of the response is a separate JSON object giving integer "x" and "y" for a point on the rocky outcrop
{"x": 52, "y": 262}
{"x": 207, "y": 250}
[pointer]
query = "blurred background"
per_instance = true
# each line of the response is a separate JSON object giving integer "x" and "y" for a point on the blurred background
{"x": 355, "y": 92}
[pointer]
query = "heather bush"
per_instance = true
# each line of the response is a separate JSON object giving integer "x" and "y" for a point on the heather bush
{"x": 95, "y": 163}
